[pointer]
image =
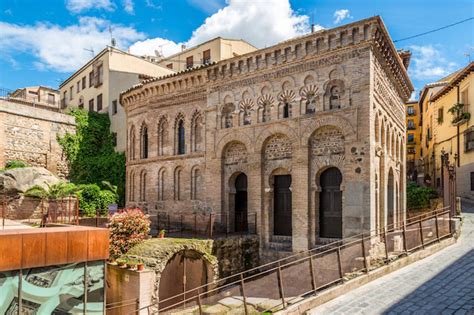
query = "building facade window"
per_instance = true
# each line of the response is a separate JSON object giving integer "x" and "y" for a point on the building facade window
{"x": 83, "y": 83}
{"x": 169, "y": 66}
{"x": 472, "y": 181}
{"x": 189, "y": 62}
{"x": 51, "y": 98}
{"x": 206, "y": 56}
{"x": 114, "y": 107}
{"x": 411, "y": 124}
{"x": 91, "y": 105}
{"x": 181, "y": 134}
{"x": 114, "y": 138}
{"x": 469, "y": 140}
{"x": 440, "y": 115}
{"x": 78, "y": 86}
{"x": 70, "y": 93}
{"x": 99, "y": 102}
{"x": 411, "y": 110}
{"x": 91, "y": 78}
{"x": 411, "y": 138}
{"x": 100, "y": 75}
{"x": 144, "y": 143}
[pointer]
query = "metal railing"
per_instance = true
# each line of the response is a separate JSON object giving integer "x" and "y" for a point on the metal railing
{"x": 208, "y": 225}
{"x": 287, "y": 281}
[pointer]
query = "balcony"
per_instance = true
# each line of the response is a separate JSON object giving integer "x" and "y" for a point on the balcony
{"x": 411, "y": 112}
{"x": 460, "y": 114}
{"x": 411, "y": 127}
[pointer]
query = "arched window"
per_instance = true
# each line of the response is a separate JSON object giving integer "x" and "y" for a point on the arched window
{"x": 286, "y": 110}
{"x": 196, "y": 133}
{"x": 227, "y": 115}
{"x": 162, "y": 136}
{"x": 144, "y": 143}
{"x": 161, "y": 184}
{"x": 131, "y": 189}
{"x": 335, "y": 98}
{"x": 177, "y": 183}
{"x": 132, "y": 144}
{"x": 266, "y": 113}
{"x": 181, "y": 134}
{"x": 143, "y": 186}
{"x": 196, "y": 184}
{"x": 311, "y": 104}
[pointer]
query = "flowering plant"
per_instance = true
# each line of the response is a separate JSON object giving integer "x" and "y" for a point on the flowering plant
{"x": 127, "y": 229}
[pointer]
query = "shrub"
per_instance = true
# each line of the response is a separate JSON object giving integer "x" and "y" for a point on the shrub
{"x": 419, "y": 197}
{"x": 15, "y": 164}
{"x": 127, "y": 229}
{"x": 92, "y": 198}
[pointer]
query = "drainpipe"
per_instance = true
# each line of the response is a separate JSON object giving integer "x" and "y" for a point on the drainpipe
{"x": 457, "y": 136}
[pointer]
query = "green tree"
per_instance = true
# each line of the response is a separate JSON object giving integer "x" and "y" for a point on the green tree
{"x": 91, "y": 155}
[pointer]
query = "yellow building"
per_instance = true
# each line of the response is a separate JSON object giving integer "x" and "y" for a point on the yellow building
{"x": 40, "y": 96}
{"x": 214, "y": 50}
{"x": 96, "y": 86}
{"x": 448, "y": 129}
{"x": 413, "y": 149}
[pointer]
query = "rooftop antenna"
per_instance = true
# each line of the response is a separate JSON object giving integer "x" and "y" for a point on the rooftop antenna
{"x": 312, "y": 22}
{"x": 113, "y": 42}
{"x": 91, "y": 50}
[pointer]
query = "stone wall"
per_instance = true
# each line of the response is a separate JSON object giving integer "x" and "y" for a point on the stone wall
{"x": 30, "y": 134}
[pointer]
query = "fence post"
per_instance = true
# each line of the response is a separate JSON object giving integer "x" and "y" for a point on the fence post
{"x": 210, "y": 225}
{"x": 77, "y": 211}
{"x": 421, "y": 234}
{"x": 195, "y": 225}
{"x": 280, "y": 285}
{"x": 386, "y": 244}
{"x": 199, "y": 301}
{"x": 405, "y": 238}
{"x": 243, "y": 292}
{"x": 339, "y": 263}
{"x": 313, "y": 279}
{"x": 437, "y": 226}
{"x": 450, "y": 223}
{"x": 365, "y": 256}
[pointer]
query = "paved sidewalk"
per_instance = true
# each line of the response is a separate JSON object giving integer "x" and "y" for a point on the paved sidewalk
{"x": 440, "y": 284}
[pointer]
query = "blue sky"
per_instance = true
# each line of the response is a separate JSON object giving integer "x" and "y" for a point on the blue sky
{"x": 43, "y": 44}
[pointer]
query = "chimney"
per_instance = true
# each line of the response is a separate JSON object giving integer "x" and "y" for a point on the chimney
{"x": 312, "y": 28}
{"x": 183, "y": 47}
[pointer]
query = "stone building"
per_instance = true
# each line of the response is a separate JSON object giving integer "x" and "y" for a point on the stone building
{"x": 30, "y": 133}
{"x": 308, "y": 134}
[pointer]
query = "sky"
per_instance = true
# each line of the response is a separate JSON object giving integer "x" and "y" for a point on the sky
{"x": 44, "y": 42}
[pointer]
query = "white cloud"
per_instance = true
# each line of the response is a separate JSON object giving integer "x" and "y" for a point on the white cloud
{"x": 427, "y": 63}
{"x": 262, "y": 23}
{"x": 148, "y": 47}
{"x": 340, "y": 15}
{"x": 152, "y": 4}
{"x": 62, "y": 48}
{"x": 78, "y": 6}
{"x": 128, "y": 6}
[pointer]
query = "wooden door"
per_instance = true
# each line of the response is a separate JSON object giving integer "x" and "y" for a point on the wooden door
{"x": 282, "y": 205}
{"x": 330, "y": 204}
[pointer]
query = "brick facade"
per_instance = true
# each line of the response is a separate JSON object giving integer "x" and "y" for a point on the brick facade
{"x": 332, "y": 99}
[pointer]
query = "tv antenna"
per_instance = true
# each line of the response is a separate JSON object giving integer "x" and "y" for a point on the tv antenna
{"x": 113, "y": 42}
{"x": 91, "y": 50}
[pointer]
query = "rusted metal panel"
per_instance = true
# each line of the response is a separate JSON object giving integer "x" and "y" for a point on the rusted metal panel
{"x": 10, "y": 252}
{"x": 77, "y": 246}
{"x": 98, "y": 247}
{"x": 33, "y": 250}
{"x": 56, "y": 248}
{"x": 29, "y": 248}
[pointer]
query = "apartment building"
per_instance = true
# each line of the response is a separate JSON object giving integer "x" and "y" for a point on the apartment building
{"x": 214, "y": 50}
{"x": 96, "y": 86}
{"x": 40, "y": 96}
{"x": 448, "y": 130}
{"x": 413, "y": 126}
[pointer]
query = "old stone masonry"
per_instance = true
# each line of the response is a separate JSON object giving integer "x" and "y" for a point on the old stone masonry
{"x": 440, "y": 284}
{"x": 302, "y": 141}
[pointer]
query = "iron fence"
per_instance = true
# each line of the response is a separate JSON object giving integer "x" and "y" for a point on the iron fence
{"x": 274, "y": 286}
{"x": 208, "y": 225}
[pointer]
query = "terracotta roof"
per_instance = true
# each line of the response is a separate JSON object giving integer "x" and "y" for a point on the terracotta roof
{"x": 454, "y": 79}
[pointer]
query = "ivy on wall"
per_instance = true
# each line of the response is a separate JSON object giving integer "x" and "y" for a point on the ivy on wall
{"x": 90, "y": 152}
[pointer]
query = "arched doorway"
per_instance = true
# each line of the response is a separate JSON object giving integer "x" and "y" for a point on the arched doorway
{"x": 185, "y": 271}
{"x": 330, "y": 204}
{"x": 282, "y": 211}
{"x": 390, "y": 199}
{"x": 240, "y": 204}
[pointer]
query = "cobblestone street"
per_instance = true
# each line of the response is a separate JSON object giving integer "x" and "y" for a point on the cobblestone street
{"x": 440, "y": 284}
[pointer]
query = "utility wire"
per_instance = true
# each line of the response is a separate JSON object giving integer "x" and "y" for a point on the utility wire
{"x": 435, "y": 30}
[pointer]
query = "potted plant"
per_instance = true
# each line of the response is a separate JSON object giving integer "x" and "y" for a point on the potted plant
{"x": 122, "y": 263}
{"x": 140, "y": 265}
{"x": 162, "y": 233}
